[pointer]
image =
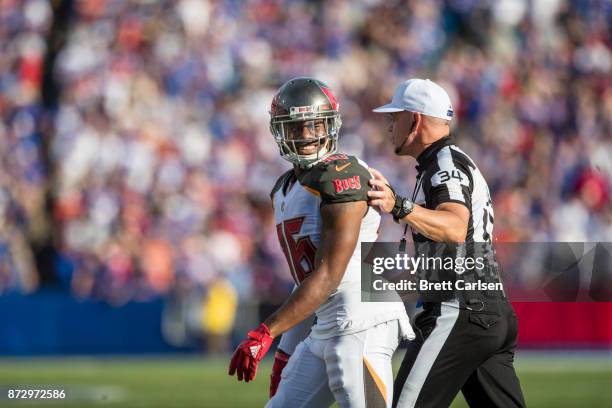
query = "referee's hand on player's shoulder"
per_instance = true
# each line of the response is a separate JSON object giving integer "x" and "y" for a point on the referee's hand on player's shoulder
{"x": 381, "y": 195}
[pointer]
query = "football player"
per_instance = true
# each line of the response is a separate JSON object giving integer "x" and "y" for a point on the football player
{"x": 322, "y": 216}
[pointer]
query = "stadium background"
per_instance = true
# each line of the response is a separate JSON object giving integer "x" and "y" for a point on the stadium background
{"x": 136, "y": 162}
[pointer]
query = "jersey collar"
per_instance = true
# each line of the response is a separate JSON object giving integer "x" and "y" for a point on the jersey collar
{"x": 427, "y": 154}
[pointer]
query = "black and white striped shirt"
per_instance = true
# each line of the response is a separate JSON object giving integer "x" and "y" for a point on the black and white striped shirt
{"x": 446, "y": 174}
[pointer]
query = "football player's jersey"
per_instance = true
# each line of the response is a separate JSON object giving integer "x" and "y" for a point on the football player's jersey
{"x": 297, "y": 201}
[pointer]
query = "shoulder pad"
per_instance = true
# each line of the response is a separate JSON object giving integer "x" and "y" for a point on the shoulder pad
{"x": 340, "y": 178}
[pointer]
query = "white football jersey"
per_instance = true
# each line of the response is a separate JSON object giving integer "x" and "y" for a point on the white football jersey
{"x": 297, "y": 202}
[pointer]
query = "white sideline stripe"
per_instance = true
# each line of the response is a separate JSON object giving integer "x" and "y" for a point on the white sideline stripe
{"x": 427, "y": 355}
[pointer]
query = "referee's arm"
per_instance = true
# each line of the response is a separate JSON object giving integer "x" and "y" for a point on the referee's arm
{"x": 447, "y": 223}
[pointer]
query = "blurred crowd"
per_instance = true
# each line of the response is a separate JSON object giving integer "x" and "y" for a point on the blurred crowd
{"x": 24, "y": 27}
{"x": 161, "y": 150}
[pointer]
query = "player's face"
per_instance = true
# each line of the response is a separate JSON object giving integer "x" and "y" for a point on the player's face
{"x": 306, "y": 135}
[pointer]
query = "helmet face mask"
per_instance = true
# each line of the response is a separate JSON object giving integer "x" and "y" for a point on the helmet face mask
{"x": 305, "y": 121}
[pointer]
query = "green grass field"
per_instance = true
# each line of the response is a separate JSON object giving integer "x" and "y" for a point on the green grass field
{"x": 548, "y": 381}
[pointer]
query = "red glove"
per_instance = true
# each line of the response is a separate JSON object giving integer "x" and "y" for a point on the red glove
{"x": 280, "y": 361}
{"x": 249, "y": 352}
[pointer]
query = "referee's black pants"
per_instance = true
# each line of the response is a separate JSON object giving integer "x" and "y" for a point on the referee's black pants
{"x": 461, "y": 349}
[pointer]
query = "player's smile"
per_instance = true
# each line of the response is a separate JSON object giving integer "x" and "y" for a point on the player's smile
{"x": 306, "y": 135}
{"x": 307, "y": 148}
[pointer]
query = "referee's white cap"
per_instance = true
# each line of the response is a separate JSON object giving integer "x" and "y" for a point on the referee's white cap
{"x": 422, "y": 96}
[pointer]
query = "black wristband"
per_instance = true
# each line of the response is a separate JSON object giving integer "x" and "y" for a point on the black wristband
{"x": 397, "y": 207}
{"x": 401, "y": 208}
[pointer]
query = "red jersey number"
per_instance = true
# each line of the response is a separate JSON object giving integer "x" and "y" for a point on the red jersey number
{"x": 300, "y": 253}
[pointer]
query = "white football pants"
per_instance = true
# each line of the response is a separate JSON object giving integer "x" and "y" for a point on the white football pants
{"x": 350, "y": 369}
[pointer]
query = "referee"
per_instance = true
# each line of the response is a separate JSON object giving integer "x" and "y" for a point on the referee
{"x": 465, "y": 339}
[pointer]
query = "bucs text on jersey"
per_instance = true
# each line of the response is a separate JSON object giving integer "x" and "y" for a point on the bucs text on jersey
{"x": 297, "y": 201}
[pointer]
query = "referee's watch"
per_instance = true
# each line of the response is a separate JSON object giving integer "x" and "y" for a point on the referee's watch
{"x": 402, "y": 208}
